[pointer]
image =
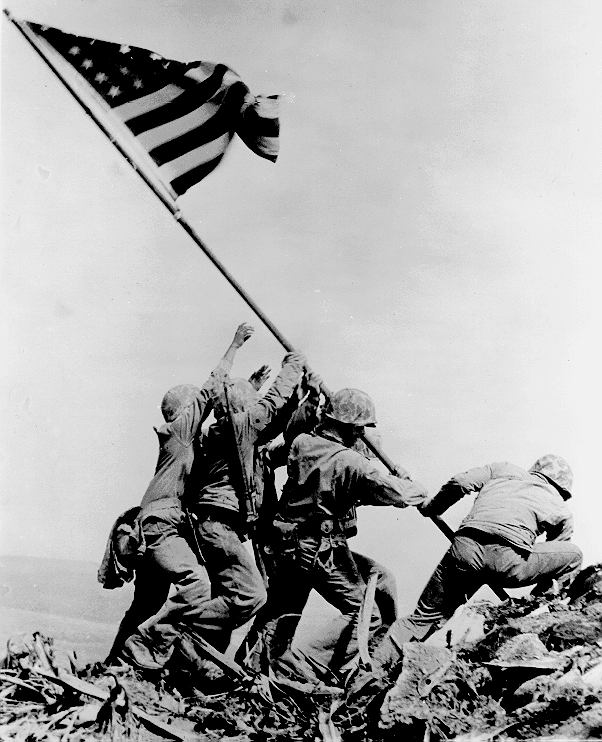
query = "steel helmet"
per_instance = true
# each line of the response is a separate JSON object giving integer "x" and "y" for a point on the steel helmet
{"x": 556, "y": 470}
{"x": 351, "y": 406}
{"x": 177, "y": 400}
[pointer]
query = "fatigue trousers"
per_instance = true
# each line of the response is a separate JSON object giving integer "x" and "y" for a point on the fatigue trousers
{"x": 323, "y": 646}
{"x": 215, "y": 599}
{"x": 327, "y": 565}
{"x": 475, "y": 559}
{"x": 168, "y": 560}
{"x": 237, "y": 589}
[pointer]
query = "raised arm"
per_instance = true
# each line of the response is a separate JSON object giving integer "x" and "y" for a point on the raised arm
{"x": 242, "y": 334}
{"x": 284, "y": 386}
{"x": 454, "y": 490}
{"x": 219, "y": 373}
{"x": 376, "y": 488}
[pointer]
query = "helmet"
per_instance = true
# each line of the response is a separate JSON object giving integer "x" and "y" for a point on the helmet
{"x": 241, "y": 395}
{"x": 177, "y": 399}
{"x": 351, "y": 406}
{"x": 556, "y": 470}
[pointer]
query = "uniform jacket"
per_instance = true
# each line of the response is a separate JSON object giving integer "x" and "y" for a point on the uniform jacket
{"x": 177, "y": 441}
{"x": 218, "y": 483}
{"x": 512, "y": 503}
{"x": 326, "y": 480}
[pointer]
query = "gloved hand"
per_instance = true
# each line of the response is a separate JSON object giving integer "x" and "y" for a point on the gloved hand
{"x": 427, "y": 507}
{"x": 442, "y": 500}
{"x": 297, "y": 358}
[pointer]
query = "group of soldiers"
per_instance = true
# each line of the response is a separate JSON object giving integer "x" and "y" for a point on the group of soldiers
{"x": 215, "y": 487}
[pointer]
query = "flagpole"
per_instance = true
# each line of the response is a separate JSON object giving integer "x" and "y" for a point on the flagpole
{"x": 172, "y": 207}
{"x": 167, "y": 202}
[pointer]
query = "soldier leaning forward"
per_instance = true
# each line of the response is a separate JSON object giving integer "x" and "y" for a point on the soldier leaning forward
{"x": 326, "y": 480}
{"x": 496, "y": 542}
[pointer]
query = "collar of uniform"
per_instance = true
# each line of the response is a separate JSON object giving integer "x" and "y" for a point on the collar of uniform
{"x": 330, "y": 435}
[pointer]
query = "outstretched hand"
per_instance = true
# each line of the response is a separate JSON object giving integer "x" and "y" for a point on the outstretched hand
{"x": 242, "y": 334}
{"x": 258, "y": 378}
{"x": 426, "y": 507}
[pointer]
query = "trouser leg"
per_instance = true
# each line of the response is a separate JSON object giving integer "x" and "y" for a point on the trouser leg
{"x": 550, "y": 560}
{"x": 288, "y": 592}
{"x": 237, "y": 589}
{"x": 327, "y": 646}
{"x": 151, "y": 590}
{"x": 338, "y": 581}
{"x": 171, "y": 556}
{"x": 457, "y": 577}
{"x": 273, "y": 629}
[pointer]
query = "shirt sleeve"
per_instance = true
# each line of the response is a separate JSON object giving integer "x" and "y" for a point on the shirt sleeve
{"x": 469, "y": 482}
{"x": 262, "y": 413}
{"x": 472, "y": 480}
{"x": 376, "y": 488}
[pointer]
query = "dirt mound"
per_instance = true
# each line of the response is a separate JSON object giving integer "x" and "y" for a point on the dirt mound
{"x": 536, "y": 673}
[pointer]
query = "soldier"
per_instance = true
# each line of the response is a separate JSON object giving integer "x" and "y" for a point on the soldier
{"x": 305, "y": 419}
{"x": 224, "y": 501}
{"x": 168, "y": 558}
{"x": 326, "y": 480}
{"x": 495, "y": 543}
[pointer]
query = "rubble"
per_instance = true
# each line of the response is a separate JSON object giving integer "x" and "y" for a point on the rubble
{"x": 535, "y": 673}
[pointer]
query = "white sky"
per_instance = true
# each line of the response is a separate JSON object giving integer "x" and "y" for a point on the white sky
{"x": 430, "y": 234}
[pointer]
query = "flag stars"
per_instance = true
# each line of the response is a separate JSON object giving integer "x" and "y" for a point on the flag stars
{"x": 87, "y": 63}
{"x": 138, "y": 83}
{"x": 155, "y": 56}
{"x": 114, "y": 91}
{"x": 74, "y": 51}
{"x": 100, "y": 77}
{"x": 124, "y": 48}
{"x": 124, "y": 70}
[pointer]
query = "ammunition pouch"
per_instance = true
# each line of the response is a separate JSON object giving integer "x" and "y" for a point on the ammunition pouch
{"x": 284, "y": 538}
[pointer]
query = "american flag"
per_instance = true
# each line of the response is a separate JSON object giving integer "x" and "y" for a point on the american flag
{"x": 184, "y": 115}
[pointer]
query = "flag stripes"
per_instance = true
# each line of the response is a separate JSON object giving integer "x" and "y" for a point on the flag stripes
{"x": 184, "y": 115}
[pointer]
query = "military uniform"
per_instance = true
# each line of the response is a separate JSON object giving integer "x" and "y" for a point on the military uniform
{"x": 496, "y": 542}
{"x": 224, "y": 500}
{"x": 326, "y": 480}
{"x": 167, "y": 558}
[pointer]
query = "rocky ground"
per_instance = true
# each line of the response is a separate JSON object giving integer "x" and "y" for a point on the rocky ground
{"x": 534, "y": 673}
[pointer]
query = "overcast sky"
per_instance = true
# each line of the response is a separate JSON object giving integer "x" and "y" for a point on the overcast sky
{"x": 430, "y": 234}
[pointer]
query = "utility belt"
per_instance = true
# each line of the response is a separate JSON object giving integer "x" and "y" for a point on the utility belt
{"x": 316, "y": 527}
{"x": 221, "y": 515}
